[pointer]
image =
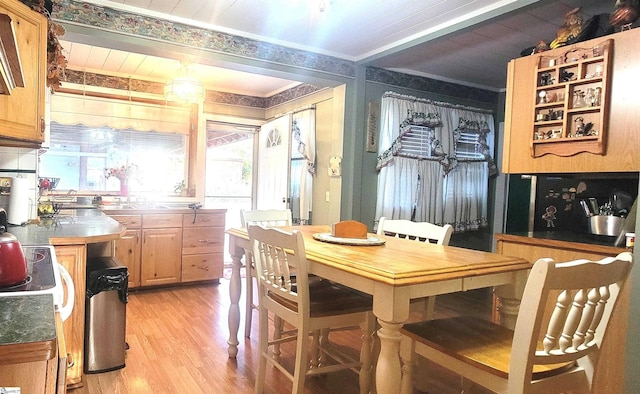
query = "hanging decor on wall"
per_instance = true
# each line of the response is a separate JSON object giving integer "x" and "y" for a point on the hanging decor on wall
{"x": 373, "y": 121}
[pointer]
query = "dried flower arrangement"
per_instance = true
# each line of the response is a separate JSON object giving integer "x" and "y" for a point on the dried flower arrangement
{"x": 56, "y": 61}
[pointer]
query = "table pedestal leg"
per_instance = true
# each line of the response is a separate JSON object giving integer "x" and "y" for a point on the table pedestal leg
{"x": 507, "y": 309}
{"x": 234, "y": 308}
{"x": 506, "y": 300}
{"x": 388, "y": 373}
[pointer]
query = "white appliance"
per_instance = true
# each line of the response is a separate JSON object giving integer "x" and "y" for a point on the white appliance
{"x": 45, "y": 276}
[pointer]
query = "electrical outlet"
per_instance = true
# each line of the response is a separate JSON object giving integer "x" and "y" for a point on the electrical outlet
{"x": 326, "y": 196}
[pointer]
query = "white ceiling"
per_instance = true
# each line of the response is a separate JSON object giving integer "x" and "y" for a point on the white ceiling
{"x": 463, "y": 41}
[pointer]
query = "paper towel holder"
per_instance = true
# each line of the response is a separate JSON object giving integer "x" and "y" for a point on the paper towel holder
{"x": 19, "y": 201}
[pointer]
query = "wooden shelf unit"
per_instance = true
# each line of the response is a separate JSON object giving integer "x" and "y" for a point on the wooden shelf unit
{"x": 559, "y": 81}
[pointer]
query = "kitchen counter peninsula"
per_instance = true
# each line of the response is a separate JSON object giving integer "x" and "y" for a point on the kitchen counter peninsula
{"x": 78, "y": 237}
{"x": 69, "y": 230}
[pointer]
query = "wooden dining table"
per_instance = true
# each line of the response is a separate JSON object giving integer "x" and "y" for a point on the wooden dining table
{"x": 394, "y": 273}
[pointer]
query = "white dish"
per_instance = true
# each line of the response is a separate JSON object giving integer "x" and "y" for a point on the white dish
{"x": 369, "y": 241}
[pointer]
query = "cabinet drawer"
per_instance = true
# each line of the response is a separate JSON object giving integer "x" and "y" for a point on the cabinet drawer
{"x": 200, "y": 240}
{"x": 130, "y": 221}
{"x": 202, "y": 267}
{"x": 203, "y": 220}
{"x": 163, "y": 220}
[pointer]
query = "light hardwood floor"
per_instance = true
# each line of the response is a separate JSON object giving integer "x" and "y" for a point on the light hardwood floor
{"x": 178, "y": 344}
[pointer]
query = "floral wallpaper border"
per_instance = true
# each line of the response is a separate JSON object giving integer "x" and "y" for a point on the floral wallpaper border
{"x": 93, "y": 15}
{"x": 163, "y": 30}
{"x": 142, "y": 86}
{"x": 423, "y": 84}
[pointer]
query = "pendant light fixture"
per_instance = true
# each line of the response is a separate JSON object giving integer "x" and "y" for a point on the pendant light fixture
{"x": 184, "y": 88}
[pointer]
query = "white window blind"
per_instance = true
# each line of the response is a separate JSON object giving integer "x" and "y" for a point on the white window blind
{"x": 417, "y": 142}
{"x": 468, "y": 146}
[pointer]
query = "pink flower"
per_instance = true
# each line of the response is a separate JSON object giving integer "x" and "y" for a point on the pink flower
{"x": 122, "y": 172}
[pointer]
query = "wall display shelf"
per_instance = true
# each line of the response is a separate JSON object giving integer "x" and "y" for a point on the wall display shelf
{"x": 572, "y": 101}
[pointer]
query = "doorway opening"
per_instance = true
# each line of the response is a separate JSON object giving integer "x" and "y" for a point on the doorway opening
{"x": 229, "y": 171}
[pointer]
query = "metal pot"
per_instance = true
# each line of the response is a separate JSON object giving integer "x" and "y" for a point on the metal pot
{"x": 13, "y": 263}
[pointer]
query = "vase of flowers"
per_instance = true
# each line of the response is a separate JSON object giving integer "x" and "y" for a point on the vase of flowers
{"x": 124, "y": 187}
{"x": 123, "y": 173}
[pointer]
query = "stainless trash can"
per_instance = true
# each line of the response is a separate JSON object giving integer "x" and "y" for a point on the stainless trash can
{"x": 105, "y": 316}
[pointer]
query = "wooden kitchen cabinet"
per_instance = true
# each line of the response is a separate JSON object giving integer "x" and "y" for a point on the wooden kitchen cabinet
{"x": 161, "y": 258}
{"x": 202, "y": 246}
{"x": 73, "y": 258}
{"x": 128, "y": 251}
{"x": 129, "y": 247}
{"x": 22, "y": 111}
{"x": 171, "y": 248}
{"x": 537, "y": 140}
{"x": 609, "y": 377}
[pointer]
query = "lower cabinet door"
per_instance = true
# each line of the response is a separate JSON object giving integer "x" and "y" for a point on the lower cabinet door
{"x": 128, "y": 253}
{"x": 73, "y": 258}
{"x": 161, "y": 261}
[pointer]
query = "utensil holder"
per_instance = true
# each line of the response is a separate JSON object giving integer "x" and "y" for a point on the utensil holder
{"x": 606, "y": 225}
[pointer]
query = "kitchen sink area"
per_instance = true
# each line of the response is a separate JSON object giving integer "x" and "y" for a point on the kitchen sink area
{"x": 108, "y": 203}
{"x": 146, "y": 206}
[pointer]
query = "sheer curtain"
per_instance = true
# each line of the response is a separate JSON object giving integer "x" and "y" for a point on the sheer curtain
{"x": 447, "y": 180}
{"x": 303, "y": 159}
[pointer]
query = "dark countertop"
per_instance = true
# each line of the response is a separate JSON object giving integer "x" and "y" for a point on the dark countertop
{"x": 28, "y": 328}
{"x": 79, "y": 227}
{"x": 119, "y": 210}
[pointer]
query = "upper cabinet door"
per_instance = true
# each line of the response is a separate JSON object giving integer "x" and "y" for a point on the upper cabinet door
{"x": 22, "y": 111}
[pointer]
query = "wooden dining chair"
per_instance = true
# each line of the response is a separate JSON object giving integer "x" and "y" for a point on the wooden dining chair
{"x": 267, "y": 218}
{"x": 555, "y": 346}
{"x": 310, "y": 307}
{"x": 418, "y": 231}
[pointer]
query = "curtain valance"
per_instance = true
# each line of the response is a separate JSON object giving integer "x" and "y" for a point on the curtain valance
{"x": 451, "y": 130}
{"x": 71, "y": 109}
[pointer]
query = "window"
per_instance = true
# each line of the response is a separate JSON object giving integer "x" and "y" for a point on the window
{"x": 468, "y": 146}
{"x": 273, "y": 139}
{"x": 90, "y": 134}
{"x": 79, "y": 155}
{"x": 417, "y": 142}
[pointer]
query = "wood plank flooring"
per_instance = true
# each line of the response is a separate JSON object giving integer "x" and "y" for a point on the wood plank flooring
{"x": 178, "y": 344}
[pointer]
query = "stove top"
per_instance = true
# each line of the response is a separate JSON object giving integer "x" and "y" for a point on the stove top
{"x": 45, "y": 276}
{"x": 40, "y": 268}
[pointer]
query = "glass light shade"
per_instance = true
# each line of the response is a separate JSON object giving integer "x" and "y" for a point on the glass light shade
{"x": 184, "y": 90}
